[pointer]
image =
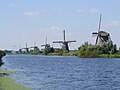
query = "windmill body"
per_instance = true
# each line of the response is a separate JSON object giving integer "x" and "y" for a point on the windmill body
{"x": 102, "y": 36}
{"x": 64, "y": 44}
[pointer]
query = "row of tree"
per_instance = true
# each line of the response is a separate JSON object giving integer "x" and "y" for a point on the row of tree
{"x": 89, "y": 50}
{"x": 108, "y": 49}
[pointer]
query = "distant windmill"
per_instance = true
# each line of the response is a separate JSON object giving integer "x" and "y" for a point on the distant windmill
{"x": 35, "y": 47}
{"x": 26, "y": 48}
{"x": 64, "y": 43}
{"x": 45, "y": 45}
{"x": 102, "y": 36}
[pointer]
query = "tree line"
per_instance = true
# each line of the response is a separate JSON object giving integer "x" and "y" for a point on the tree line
{"x": 86, "y": 50}
{"x": 108, "y": 49}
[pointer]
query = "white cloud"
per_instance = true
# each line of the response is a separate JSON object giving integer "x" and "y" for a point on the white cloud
{"x": 116, "y": 23}
{"x": 113, "y": 24}
{"x": 32, "y": 13}
{"x": 52, "y": 29}
{"x": 80, "y": 10}
{"x": 94, "y": 11}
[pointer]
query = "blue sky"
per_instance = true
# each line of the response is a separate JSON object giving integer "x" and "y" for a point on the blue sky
{"x": 24, "y": 21}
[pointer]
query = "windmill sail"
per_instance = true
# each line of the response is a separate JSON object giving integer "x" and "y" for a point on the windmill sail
{"x": 64, "y": 43}
{"x": 99, "y": 24}
{"x": 71, "y": 41}
{"x": 58, "y": 42}
{"x": 96, "y": 40}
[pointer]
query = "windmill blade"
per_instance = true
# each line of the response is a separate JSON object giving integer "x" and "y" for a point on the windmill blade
{"x": 43, "y": 45}
{"x": 46, "y": 41}
{"x": 34, "y": 43}
{"x": 31, "y": 47}
{"x": 96, "y": 40}
{"x": 58, "y": 42}
{"x": 99, "y": 24}
{"x": 64, "y": 35}
{"x": 102, "y": 39}
{"x": 94, "y": 34}
{"x": 71, "y": 41}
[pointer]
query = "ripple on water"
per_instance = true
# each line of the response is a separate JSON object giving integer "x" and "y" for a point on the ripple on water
{"x": 64, "y": 73}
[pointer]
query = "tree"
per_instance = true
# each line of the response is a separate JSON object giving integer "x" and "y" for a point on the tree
{"x": 89, "y": 50}
{"x": 48, "y": 49}
{"x": 109, "y": 48}
{"x": 36, "y": 51}
{"x": 2, "y": 54}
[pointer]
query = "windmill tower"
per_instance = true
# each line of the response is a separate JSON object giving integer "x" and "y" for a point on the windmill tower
{"x": 27, "y": 49}
{"x": 64, "y": 44}
{"x": 102, "y": 36}
{"x": 35, "y": 47}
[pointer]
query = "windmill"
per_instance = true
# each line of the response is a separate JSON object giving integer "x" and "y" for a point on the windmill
{"x": 26, "y": 49}
{"x": 102, "y": 36}
{"x": 45, "y": 45}
{"x": 34, "y": 46}
{"x": 64, "y": 44}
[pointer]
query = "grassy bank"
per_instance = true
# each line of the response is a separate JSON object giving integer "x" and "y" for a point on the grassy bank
{"x": 6, "y": 72}
{"x": 6, "y": 83}
{"x": 63, "y": 54}
{"x": 109, "y": 56}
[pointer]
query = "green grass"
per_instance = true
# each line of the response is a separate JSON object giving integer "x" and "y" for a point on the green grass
{"x": 6, "y": 72}
{"x": 117, "y": 55}
{"x": 6, "y": 83}
{"x": 63, "y": 54}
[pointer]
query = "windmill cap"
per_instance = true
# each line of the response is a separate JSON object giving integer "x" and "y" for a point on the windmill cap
{"x": 103, "y": 33}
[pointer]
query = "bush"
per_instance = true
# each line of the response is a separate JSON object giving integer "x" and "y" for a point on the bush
{"x": 88, "y": 50}
{"x": 2, "y": 53}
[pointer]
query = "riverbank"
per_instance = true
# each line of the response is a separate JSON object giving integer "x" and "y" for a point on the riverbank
{"x": 116, "y": 55}
{"x": 6, "y": 83}
{"x": 2, "y": 54}
{"x": 63, "y": 54}
{"x": 77, "y": 54}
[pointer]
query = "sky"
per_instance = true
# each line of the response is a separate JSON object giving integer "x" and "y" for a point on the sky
{"x": 29, "y": 21}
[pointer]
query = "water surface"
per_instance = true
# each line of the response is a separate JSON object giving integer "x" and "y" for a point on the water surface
{"x": 64, "y": 73}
